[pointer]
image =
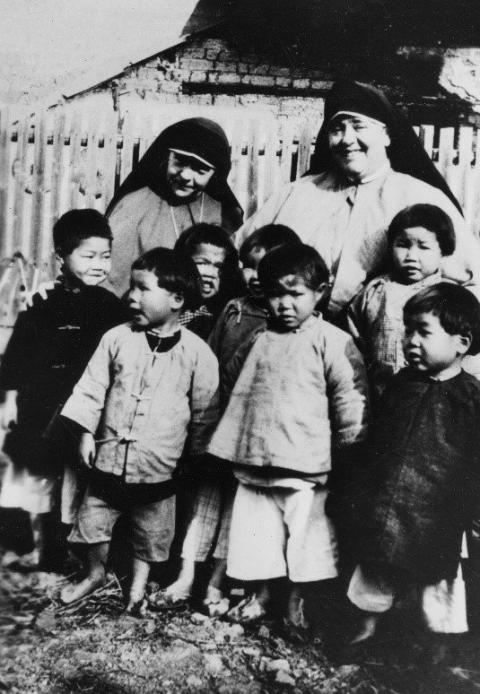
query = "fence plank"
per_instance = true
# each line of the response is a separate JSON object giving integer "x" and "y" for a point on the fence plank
{"x": 71, "y": 169}
{"x": 5, "y": 187}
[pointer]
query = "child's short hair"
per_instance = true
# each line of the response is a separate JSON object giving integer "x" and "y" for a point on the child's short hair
{"x": 75, "y": 226}
{"x": 231, "y": 280}
{"x": 296, "y": 259}
{"x": 174, "y": 273}
{"x": 429, "y": 217}
{"x": 268, "y": 237}
{"x": 457, "y": 309}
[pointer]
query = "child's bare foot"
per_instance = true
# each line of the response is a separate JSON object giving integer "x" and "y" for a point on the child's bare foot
{"x": 249, "y": 610}
{"x": 30, "y": 560}
{"x": 77, "y": 591}
{"x": 368, "y": 627}
{"x": 136, "y": 607}
{"x": 215, "y": 602}
{"x": 179, "y": 591}
{"x": 295, "y": 612}
{"x": 9, "y": 559}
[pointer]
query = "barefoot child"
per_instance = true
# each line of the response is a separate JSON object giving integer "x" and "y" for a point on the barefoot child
{"x": 422, "y": 489}
{"x": 210, "y": 522}
{"x": 149, "y": 386}
{"x": 51, "y": 344}
{"x": 300, "y": 396}
{"x": 419, "y": 237}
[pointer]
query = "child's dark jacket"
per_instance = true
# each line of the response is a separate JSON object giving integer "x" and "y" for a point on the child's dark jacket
{"x": 422, "y": 490}
{"x": 238, "y": 321}
{"x": 50, "y": 346}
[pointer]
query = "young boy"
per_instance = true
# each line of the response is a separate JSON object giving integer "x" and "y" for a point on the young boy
{"x": 50, "y": 346}
{"x": 149, "y": 386}
{"x": 421, "y": 491}
{"x": 300, "y": 396}
{"x": 419, "y": 238}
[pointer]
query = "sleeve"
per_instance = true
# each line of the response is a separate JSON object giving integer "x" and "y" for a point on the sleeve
{"x": 267, "y": 214}
{"x": 463, "y": 266}
{"x": 203, "y": 401}
{"x": 19, "y": 354}
{"x": 124, "y": 224}
{"x": 347, "y": 389}
{"x": 355, "y": 319}
{"x": 85, "y": 405}
{"x": 231, "y": 370}
{"x": 216, "y": 336}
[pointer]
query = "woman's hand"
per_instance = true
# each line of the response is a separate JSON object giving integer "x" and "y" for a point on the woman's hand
{"x": 86, "y": 449}
{"x": 9, "y": 410}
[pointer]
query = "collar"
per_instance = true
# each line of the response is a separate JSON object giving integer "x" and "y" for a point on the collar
{"x": 379, "y": 173}
{"x": 161, "y": 343}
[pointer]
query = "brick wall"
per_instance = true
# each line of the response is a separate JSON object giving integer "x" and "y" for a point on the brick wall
{"x": 210, "y": 71}
{"x": 436, "y": 85}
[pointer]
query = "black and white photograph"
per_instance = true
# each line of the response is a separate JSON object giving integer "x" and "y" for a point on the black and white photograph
{"x": 240, "y": 347}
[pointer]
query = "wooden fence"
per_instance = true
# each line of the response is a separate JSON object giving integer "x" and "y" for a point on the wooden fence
{"x": 75, "y": 156}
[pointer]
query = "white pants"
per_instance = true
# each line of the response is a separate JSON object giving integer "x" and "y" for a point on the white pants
{"x": 281, "y": 532}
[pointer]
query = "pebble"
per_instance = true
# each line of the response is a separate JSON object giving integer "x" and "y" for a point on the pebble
{"x": 199, "y": 618}
{"x": 252, "y": 652}
{"x": 277, "y": 665}
{"x": 235, "y": 632}
{"x": 264, "y": 632}
{"x": 193, "y": 682}
{"x": 149, "y": 626}
{"x": 283, "y": 677}
{"x": 213, "y": 664}
{"x": 348, "y": 670}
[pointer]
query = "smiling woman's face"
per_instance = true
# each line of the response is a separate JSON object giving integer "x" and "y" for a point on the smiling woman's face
{"x": 358, "y": 144}
{"x": 187, "y": 176}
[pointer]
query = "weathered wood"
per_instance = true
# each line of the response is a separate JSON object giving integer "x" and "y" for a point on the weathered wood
{"x": 73, "y": 161}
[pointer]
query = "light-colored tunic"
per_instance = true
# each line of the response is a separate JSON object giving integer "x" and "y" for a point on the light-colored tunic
{"x": 143, "y": 220}
{"x": 375, "y": 321}
{"x": 347, "y": 225}
{"x": 144, "y": 404}
{"x": 298, "y": 394}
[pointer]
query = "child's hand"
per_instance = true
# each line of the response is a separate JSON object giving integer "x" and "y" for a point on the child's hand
{"x": 9, "y": 410}
{"x": 86, "y": 449}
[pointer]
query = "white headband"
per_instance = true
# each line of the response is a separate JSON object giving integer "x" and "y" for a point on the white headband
{"x": 357, "y": 115}
{"x": 192, "y": 155}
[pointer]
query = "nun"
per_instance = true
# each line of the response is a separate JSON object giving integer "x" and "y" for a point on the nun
{"x": 368, "y": 165}
{"x": 181, "y": 180}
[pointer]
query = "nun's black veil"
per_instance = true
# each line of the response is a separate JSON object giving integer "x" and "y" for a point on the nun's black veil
{"x": 199, "y": 136}
{"x": 405, "y": 151}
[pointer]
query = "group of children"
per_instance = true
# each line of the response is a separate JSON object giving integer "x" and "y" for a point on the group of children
{"x": 264, "y": 411}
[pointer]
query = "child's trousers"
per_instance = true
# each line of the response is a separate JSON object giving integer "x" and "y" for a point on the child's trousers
{"x": 279, "y": 531}
{"x": 210, "y": 521}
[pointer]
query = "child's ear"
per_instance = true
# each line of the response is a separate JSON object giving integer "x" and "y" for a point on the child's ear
{"x": 177, "y": 301}
{"x": 463, "y": 343}
{"x": 320, "y": 292}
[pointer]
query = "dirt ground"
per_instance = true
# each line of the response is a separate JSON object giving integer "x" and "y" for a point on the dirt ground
{"x": 95, "y": 647}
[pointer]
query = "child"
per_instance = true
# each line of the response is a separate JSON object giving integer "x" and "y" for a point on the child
{"x": 149, "y": 385}
{"x": 301, "y": 393}
{"x": 51, "y": 344}
{"x": 216, "y": 258}
{"x": 212, "y": 510}
{"x": 419, "y": 237}
{"x": 242, "y": 316}
{"x": 422, "y": 490}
